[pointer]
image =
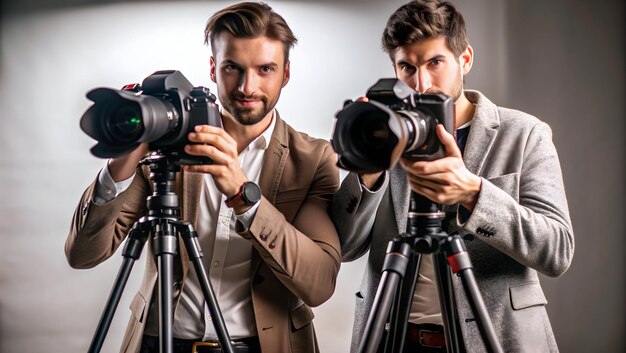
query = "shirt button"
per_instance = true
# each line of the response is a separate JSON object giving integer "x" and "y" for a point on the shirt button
{"x": 225, "y": 221}
{"x": 216, "y": 264}
{"x": 107, "y": 191}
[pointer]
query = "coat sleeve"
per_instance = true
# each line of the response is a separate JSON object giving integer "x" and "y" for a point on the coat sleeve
{"x": 304, "y": 254}
{"x": 98, "y": 230}
{"x": 353, "y": 211}
{"x": 535, "y": 230}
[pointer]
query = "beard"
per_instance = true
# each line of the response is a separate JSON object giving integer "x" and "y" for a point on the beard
{"x": 455, "y": 90}
{"x": 248, "y": 115}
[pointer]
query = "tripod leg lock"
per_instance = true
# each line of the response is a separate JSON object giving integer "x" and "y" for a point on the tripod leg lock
{"x": 397, "y": 257}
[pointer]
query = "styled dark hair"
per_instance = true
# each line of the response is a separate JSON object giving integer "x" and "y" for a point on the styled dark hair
{"x": 250, "y": 20}
{"x": 425, "y": 19}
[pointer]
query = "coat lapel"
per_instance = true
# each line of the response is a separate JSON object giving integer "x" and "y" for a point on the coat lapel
{"x": 400, "y": 195}
{"x": 272, "y": 170}
{"x": 483, "y": 132}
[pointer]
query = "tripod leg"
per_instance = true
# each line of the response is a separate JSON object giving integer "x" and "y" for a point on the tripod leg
{"x": 400, "y": 315}
{"x": 460, "y": 263}
{"x": 394, "y": 268}
{"x": 195, "y": 255}
{"x": 165, "y": 249}
{"x": 446, "y": 302}
{"x": 134, "y": 245}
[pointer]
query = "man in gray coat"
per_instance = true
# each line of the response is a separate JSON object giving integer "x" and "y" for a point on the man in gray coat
{"x": 500, "y": 184}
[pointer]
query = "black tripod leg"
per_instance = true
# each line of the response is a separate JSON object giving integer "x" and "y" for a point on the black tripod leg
{"x": 394, "y": 268}
{"x": 134, "y": 245}
{"x": 195, "y": 255}
{"x": 446, "y": 302}
{"x": 400, "y": 315}
{"x": 164, "y": 250}
{"x": 460, "y": 263}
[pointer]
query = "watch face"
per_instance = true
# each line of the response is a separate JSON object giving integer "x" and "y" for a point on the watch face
{"x": 251, "y": 193}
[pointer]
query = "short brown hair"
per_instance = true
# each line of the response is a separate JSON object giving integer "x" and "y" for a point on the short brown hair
{"x": 425, "y": 19}
{"x": 250, "y": 20}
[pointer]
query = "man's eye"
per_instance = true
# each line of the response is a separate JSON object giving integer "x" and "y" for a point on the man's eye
{"x": 266, "y": 69}
{"x": 231, "y": 67}
{"x": 436, "y": 62}
{"x": 407, "y": 68}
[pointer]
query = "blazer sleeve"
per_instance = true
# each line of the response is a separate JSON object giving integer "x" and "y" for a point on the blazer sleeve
{"x": 305, "y": 254}
{"x": 535, "y": 230}
{"x": 98, "y": 230}
{"x": 353, "y": 211}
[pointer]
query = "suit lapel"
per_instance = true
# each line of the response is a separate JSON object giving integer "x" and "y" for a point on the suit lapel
{"x": 482, "y": 133}
{"x": 400, "y": 195}
{"x": 272, "y": 170}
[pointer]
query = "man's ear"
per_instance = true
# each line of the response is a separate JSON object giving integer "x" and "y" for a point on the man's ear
{"x": 212, "y": 71}
{"x": 467, "y": 59}
{"x": 286, "y": 74}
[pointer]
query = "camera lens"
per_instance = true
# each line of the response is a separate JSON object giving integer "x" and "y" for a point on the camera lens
{"x": 371, "y": 132}
{"x": 125, "y": 124}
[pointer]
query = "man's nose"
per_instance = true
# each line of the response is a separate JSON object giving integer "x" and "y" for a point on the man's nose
{"x": 247, "y": 84}
{"x": 423, "y": 81}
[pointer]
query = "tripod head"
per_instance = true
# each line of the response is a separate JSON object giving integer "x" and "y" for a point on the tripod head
{"x": 424, "y": 224}
{"x": 163, "y": 203}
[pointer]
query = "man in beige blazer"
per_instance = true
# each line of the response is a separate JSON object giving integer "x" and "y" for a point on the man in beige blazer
{"x": 269, "y": 261}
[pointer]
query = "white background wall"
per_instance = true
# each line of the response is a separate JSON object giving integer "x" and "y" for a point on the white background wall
{"x": 51, "y": 56}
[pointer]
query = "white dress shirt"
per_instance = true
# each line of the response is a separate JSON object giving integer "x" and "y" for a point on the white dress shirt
{"x": 227, "y": 256}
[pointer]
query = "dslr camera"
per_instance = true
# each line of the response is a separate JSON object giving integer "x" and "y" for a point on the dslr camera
{"x": 396, "y": 122}
{"x": 161, "y": 111}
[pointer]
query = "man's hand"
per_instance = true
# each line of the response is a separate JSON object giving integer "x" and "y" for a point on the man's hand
{"x": 445, "y": 181}
{"x": 217, "y": 144}
{"x": 124, "y": 167}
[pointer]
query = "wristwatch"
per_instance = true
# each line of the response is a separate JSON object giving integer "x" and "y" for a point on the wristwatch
{"x": 248, "y": 195}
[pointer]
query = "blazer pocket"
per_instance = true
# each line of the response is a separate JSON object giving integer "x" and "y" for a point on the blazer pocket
{"x": 526, "y": 295}
{"x": 301, "y": 316}
{"x": 132, "y": 336}
{"x": 137, "y": 306}
{"x": 509, "y": 183}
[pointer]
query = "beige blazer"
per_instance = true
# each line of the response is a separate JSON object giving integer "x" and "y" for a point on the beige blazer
{"x": 296, "y": 251}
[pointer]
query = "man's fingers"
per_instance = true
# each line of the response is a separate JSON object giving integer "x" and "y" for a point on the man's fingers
{"x": 448, "y": 142}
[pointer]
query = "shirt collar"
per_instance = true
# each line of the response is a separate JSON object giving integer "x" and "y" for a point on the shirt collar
{"x": 263, "y": 141}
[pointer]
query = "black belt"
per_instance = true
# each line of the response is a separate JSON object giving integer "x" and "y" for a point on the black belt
{"x": 150, "y": 344}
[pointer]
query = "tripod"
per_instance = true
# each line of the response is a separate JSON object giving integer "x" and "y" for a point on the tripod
{"x": 163, "y": 221}
{"x": 395, "y": 291}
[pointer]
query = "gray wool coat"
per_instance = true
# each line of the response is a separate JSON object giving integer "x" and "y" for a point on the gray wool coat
{"x": 520, "y": 226}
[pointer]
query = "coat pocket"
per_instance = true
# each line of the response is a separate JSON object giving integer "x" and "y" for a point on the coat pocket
{"x": 301, "y": 316}
{"x": 526, "y": 295}
{"x": 302, "y": 336}
{"x": 133, "y": 335}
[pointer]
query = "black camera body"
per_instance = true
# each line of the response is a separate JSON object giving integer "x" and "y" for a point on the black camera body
{"x": 161, "y": 111}
{"x": 395, "y": 122}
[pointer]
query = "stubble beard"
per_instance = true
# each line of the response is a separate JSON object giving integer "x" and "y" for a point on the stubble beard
{"x": 248, "y": 116}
